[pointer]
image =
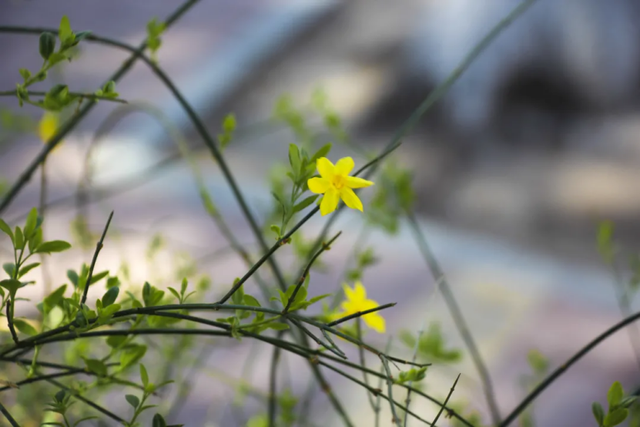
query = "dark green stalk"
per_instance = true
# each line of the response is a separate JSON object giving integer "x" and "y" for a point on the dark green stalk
{"x": 361, "y": 313}
{"x": 363, "y": 364}
{"x": 91, "y": 96}
{"x": 453, "y": 387}
{"x": 12, "y": 329}
{"x": 99, "y": 246}
{"x": 8, "y": 416}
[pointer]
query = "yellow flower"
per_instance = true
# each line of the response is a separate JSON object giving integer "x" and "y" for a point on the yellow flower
{"x": 48, "y": 126}
{"x": 357, "y": 301}
{"x": 335, "y": 183}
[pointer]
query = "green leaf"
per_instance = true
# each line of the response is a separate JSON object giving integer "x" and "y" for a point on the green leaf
{"x": 6, "y": 229}
{"x": 9, "y": 268}
{"x": 294, "y": 158}
{"x": 322, "y": 152}
{"x": 616, "y": 417}
{"x": 47, "y": 45}
{"x": 110, "y": 296}
{"x": 183, "y": 286}
{"x": 97, "y": 277}
{"x": 133, "y": 400}
{"x": 615, "y": 395}
{"x": 174, "y": 292}
{"x": 81, "y": 35}
{"x": 306, "y": 202}
{"x": 54, "y": 299}
{"x": 277, "y": 326}
{"x": 54, "y": 59}
{"x": 26, "y": 74}
{"x": 19, "y": 238}
{"x": 53, "y": 246}
{"x": 113, "y": 282}
{"x": 11, "y": 285}
{"x": 96, "y": 366}
{"x": 27, "y": 268}
{"x": 158, "y": 421}
{"x": 73, "y": 277}
{"x": 598, "y": 413}
{"x": 24, "y": 327}
{"x": 249, "y": 300}
{"x": 131, "y": 355}
{"x": 65, "y": 33}
{"x": 276, "y": 230}
{"x": 35, "y": 240}
{"x": 115, "y": 341}
{"x": 108, "y": 312}
{"x": 143, "y": 375}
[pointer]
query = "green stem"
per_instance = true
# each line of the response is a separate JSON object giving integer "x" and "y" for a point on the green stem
{"x": 99, "y": 246}
{"x": 90, "y": 96}
{"x": 275, "y": 358}
{"x": 453, "y": 387}
{"x": 8, "y": 416}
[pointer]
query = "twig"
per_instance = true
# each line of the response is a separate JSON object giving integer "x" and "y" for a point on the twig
{"x": 435, "y": 420}
{"x": 95, "y": 258}
{"x": 325, "y": 247}
{"x": 10, "y": 321}
{"x": 8, "y": 416}
{"x": 385, "y": 363}
{"x": 563, "y": 368}
{"x": 91, "y": 96}
{"x": 361, "y": 313}
{"x": 456, "y": 314}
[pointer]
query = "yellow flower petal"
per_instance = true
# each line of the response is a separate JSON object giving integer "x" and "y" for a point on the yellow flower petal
{"x": 329, "y": 201}
{"x": 348, "y": 292}
{"x": 375, "y": 322}
{"x": 360, "y": 293}
{"x": 325, "y": 168}
{"x": 318, "y": 185}
{"x": 344, "y": 166}
{"x": 355, "y": 182}
{"x": 47, "y": 126}
{"x": 350, "y": 199}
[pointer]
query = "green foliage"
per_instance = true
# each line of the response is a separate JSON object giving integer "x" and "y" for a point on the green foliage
{"x": 431, "y": 346}
{"x": 154, "y": 30}
{"x": 618, "y": 410}
{"x": 393, "y": 198}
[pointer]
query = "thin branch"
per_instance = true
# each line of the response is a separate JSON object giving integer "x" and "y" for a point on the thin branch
{"x": 91, "y": 96}
{"x": 361, "y": 313}
{"x": 325, "y": 247}
{"x": 453, "y": 387}
{"x": 385, "y": 363}
{"x": 99, "y": 246}
{"x": 458, "y": 317}
{"x": 12, "y": 329}
{"x": 565, "y": 366}
{"x": 8, "y": 416}
{"x": 87, "y": 401}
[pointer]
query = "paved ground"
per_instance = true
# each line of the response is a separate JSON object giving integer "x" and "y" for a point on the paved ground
{"x": 517, "y": 292}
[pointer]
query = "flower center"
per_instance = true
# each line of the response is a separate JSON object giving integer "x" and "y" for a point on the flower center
{"x": 338, "y": 181}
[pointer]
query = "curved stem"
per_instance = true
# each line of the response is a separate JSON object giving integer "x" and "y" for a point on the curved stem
{"x": 563, "y": 368}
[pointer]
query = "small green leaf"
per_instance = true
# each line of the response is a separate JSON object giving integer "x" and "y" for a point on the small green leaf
{"x": 133, "y": 400}
{"x": 174, "y": 292}
{"x": 24, "y": 327}
{"x": 115, "y": 341}
{"x": 65, "y": 33}
{"x": 99, "y": 276}
{"x": 598, "y": 412}
{"x": 26, "y": 74}
{"x": 605, "y": 241}
{"x": 294, "y": 158}
{"x": 53, "y": 59}
{"x": 30, "y": 224}
{"x": 6, "y": 229}
{"x": 19, "y": 238}
{"x": 27, "y": 268}
{"x": 276, "y": 230}
{"x": 143, "y": 375}
{"x": 11, "y": 285}
{"x": 616, "y": 417}
{"x": 81, "y": 35}
{"x": 249, "y": 300}
{"x": 53, "y": 246}
{"x": 615, "y": 395}
{"x": 9, "y": 268}
{"x": 158, "y": 421}
{"x": 96, "y": 366}
{"x": 35, "y": 240}
{"x": 306, "y": 202}
{"x": 47, "y": 45}
{"x": 322, "y": 152}
{"x": 110, "y": 296}
{"x": 131, "y": 355}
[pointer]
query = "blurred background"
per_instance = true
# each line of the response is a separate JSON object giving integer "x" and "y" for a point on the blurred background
{"x": 513, "y": 169}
